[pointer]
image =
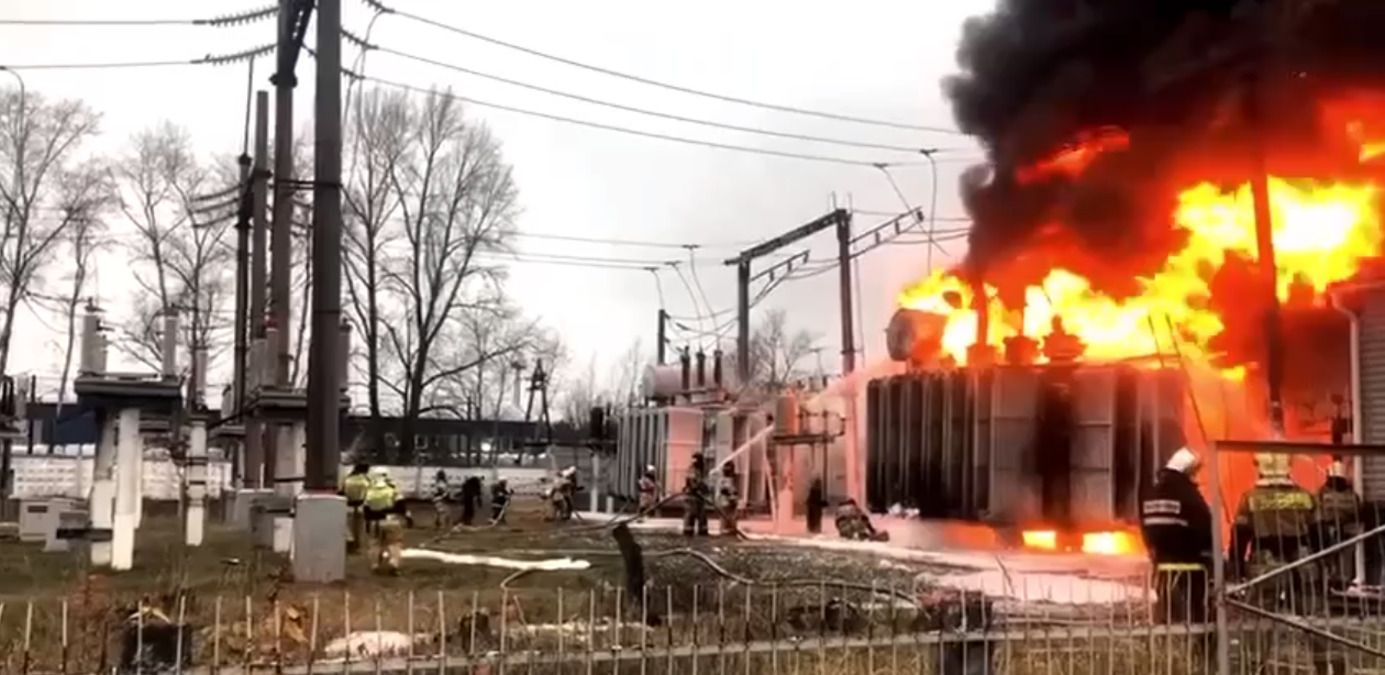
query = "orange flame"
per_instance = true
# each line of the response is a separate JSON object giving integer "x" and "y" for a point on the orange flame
{"x": 1041, "y": 540}
{"x": 1322, "y": 231}
{"x": 1075, "y": 158}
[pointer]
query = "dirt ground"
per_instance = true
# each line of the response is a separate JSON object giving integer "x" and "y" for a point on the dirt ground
{"x": 243, "y": 600}
{"x": 228, "y": 564}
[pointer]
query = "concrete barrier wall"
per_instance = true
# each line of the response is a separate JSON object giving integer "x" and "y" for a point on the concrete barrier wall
{"x": 43, "y": 475}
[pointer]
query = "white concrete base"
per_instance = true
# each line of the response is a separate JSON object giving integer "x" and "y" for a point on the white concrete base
{"x": 319, "y": 539}
{"x": 123, "y": 543}
{"x": 241, "y": 503}
{"x": 102, "y": 506}
{"x": 283, "y": 535}
{"x": 195, "y": 524}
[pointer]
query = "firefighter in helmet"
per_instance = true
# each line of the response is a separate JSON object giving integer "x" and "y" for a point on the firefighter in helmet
{"x": 1272, "y": 528}
{"x": 854, "y": 524}
{"x": 384, "y": 507}
{"x": 730, "y": 500}
{"x": 1338, "y": 519}
{"x": 649, "y": 489}
{"x": 695, "y": 498}
{"x": 354, "y": 487}
{"x": 1177, "y": 527}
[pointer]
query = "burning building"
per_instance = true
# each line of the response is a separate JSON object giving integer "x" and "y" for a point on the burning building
{"x": 1140, "y": 156}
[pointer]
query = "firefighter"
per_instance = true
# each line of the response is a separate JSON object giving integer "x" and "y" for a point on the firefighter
{"x": 695, "y": 498}
{"x": 353, "y": 488}
{"x": 1338, "y": 518}
{"x": 442, "y": 499}
{"x": 1271, "y": 529}
{"x": 854, "y": 524}
{"x": 1177, "y": 527}
{"x": 384, "y": 507}
{"x": 470, "y": 498}
{"x": 816, "y": 503}
{"x": 730, "y": 500}
{"x": 500, "y": 500}
{"x": 649, "y": 489}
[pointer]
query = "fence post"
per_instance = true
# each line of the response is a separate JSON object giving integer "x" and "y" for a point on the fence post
{"x": 1223, "y": 661}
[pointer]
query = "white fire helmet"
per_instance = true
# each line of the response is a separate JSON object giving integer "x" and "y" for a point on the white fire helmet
{"x": 1337, "y": 469}
{"x": 650, "y": 469}
{"x": 1184, "y": 461}
{"x": 379, "y": 472}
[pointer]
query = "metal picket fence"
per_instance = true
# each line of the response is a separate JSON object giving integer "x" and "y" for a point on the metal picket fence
{"x": 719, "y": 629}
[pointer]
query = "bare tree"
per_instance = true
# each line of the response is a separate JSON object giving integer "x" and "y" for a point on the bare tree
{"x": 629, "y": 368}
{"x": 182, "y": 257}
{"x": 776, "y": 353}
{"x": 85, "y": 194}
{"x": 38, "y": 141}
{"x": 378, "y": 142}
{"x": 447, "y": 198}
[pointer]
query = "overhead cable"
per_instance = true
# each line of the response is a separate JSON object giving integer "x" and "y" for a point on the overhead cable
{"x": 625, "y": 130}
{"x": 223, "y": 21}
{"x": 646, "y": 111}
{"x": 658, "y": 83}
{"x": 209, "y": 59}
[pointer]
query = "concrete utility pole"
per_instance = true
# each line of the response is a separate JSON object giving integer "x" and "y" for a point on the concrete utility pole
{"x": 254, "y": 428}
{"x": 320, "y": 525}
{"x": 325, "y": 392}
{"x": 281, "y": 240}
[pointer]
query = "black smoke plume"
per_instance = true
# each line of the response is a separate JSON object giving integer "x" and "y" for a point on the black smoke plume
{"x": 1034, "y": 74}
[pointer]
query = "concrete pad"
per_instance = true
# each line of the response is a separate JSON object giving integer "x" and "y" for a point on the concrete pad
{"x": 242, "y": 501}
{"x": 281, "y": 539}
{"x": 319, "y": 538}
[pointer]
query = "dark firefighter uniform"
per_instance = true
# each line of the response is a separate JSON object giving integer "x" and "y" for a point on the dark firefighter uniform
{"x": 854, "y": 524}
{"x": 730, "y": 501}
{"x": 695, "y": 498}
{"x": 1177, "y": 527}
{"x": 1338, "y": 519}
{"x": 1272, "y": 528}
{"x": 500, "y": 500}
{"x": 354, "y": 487}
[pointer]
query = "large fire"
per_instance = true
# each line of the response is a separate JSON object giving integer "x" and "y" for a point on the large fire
{"x": 1206, "y": 294}
{"x": 1322, "y": 231}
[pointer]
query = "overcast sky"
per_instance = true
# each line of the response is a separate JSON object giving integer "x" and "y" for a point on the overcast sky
{"x": 878, "y": 59}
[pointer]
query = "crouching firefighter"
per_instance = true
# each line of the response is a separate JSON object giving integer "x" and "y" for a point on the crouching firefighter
{"x": 1177, "y": 527}
{"x": 854, "y": 524}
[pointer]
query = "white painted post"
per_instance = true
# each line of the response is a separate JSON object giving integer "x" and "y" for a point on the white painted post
{"x": 127, "y": 479}
{"x": 101, "y": 503}
{"x": 196, "y": 516}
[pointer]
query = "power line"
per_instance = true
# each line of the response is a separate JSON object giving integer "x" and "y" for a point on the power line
{"x": 657, "y": 83}
{"x": 646, "y": 111}
{"x": 222, "y": 21}
{"x": 209, "y": 59}
{"x": 626, "y": 242}
{"x": 626, "y": 130}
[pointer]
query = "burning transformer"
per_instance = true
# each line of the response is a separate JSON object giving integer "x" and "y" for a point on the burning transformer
{"x": 1038, "y": 442}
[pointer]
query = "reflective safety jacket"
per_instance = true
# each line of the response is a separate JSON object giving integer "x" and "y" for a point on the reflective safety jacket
{"x": 1272, "y": 527}
{"x": 382, "y": 496}
{"x": 354, "y": 488}
{"x": 1176, "y": 521}
{"x": 1339, "y": 512}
